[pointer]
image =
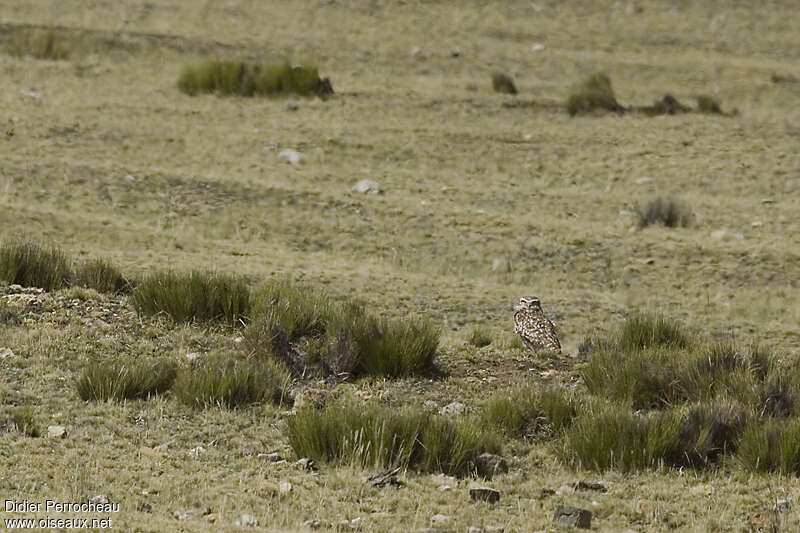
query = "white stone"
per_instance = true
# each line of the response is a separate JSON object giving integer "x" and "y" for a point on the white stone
{"x": 55, "y": 432}
{"x": 368, "y": 186}
{"x": 6, "y": 352}
{"x": 247, "y": 520}
{"x": 285, "y": 487}
{"x": 197, "y": 451}
{"x": 290, "y": 156}
{"x": 537, "y": 47}
{"x": 191, "y": 356}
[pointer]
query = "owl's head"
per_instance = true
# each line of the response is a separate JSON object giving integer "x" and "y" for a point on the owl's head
{"x": 528, "y": 302}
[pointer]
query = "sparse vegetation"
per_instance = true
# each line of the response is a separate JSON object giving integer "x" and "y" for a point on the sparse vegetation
{"x": 245, "y": 79}
{"x": 20, "y": 419}
{"x": 197, "y": 295}
{"x": 40, "y": 44}
{"x": 708, "y": 104}
{"x": 230, "y": 382}
{"x": 480, "y": 337}
{"x": 31, "y": 264}
{"x": 530, "y": 411}
{"x": 337, "y": 338}
{"x": 594, "y": 94}
{"x": 125, "y": 380}
{"x": 8, "y": 315}
{"x": 102, "y": 276}
{"x": 375, "y": 436}
{"x": 503, "y": 83}
{"x": 665, "y": 211}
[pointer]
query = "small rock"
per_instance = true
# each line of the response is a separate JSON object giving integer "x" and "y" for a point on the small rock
{"x": 485, "y": 494}
{"x": 146, "y": 451}
{"x": 285, "y": 487}
{"x": 643, "y": 507}
{"x": 768, "y": 200}
{"x": 6, "y": 352}
{"x": 455, "y": 52}
{"x": 191, "y": 356}
{"x": 503, "y": 83}
{"x": 633, "y": 8}
{"x": 493, "y": 529}
{"x": 718, "y": 234}
{"x": 32, "y": 94}
{"x": 702, "y": 490}
{"x": 546, "y": 493}
{"x": 453, "y": 409}
{"x": 573, "y": 516}
{"x": 306, "y": 464}
{"x": 430, "y": 405}
{"x": 584, "y": 485}
{"x": 290, "y": 156}
{"x": 56, "y": 432}
{"x": 489, "y": 464}
{"x": 474, "y": 529}
{"x": 642, "y": 181}
{"x": 564, "y": 490}
{"x": 445, "y": 488}
{"x": 100, "y": 498}
{"x": 290, "y": 106}
{"x": 782, "y": 506}
{"x": 416, "y": 52}
{"x": 387, "y": 477}
{"x": 144, "y": 507}
{"x": 757, "y": 224}
{"x": 197, "y": 451}
{"x": 270, "y": 457}
{"x": 501, "y": 264}
{"x": 441, "y": 519}
{"x": 368, "y": 186}
{"x": 537, "y": 47}
{"x": 247, "y": 520}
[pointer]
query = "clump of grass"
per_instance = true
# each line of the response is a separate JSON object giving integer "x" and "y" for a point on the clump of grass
{"x": 709, "y": 431}
{"x": 480, "y": 337}
{"x": 594, "y": 94}
{"x": 20, "y": 419}
{"x": 665, "y": 211}
{"x": 104, "y": 380}
{"x": 8, "y": 315}
{"x": 102, "y": 276}
{"x": 503, "y": 83}
{"x": 610, "y": 436}
{"x": 245, "y": 79}
{"x": 708, "y": 104}
{"x": 198, "y": 295}
{"x": 306, "y": 330}
{"x": 668, "y": 105}
{"x": 40, "y": 44}
{"x": 31, "y": 264}
{"x": 373, "y": 435}
{"x": 771, "y": 446}
{"x": 642, "y": 330}
{"x": 231, "y": 383}
{"x": 530, "y": 411}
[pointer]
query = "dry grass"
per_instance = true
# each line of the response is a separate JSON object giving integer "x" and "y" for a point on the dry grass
{"x": 155, "y": 180}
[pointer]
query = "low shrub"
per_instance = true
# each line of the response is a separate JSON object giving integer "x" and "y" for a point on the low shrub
{"x": 771, "y": 446}
{"x": 665, "y": 211}
{"x": 230, "y": 382}
{"x": 118, "y": 380}
{"x": 503, "y": 83}
{"x": 642, "y": 330}
{"x": 610, "y": 436}
{"x": 530, "y": 411}
{"x": 31, "y": 264}
{"x": 480, "y": 337}
{"x": 709, "y": 431}
{"x": 102, "y": 276}
{"x": 245, "y": 79}
{"x": 19, "y": 419}
{"x": 197, "y": 295}
{"x": 376, "y": 436}
{"x": 594, "y": 94}
{"x": 299, "y": 311}
{"x": 396, "y": 348}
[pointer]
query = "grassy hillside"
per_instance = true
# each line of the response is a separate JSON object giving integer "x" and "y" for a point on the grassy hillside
{"x": 486, "y": 197}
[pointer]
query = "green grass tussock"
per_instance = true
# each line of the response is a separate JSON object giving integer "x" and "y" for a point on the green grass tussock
{"x": 230, "y": 382}
{"x": 102, "y": 276}
{"x": 245, "y": 79}
{"x": 594, "y": 94}
{"x": 335, "y": 338}
{"x": 31, "y": 264}
{"x": 118, "y": 380}
{"x": 642, "y": 330}
{"x": 20, "y": 419}
{"x": 665, "y": 211}
{"x": 376, "y": 436}
{"x": 480, "y": 337}
{"x": 530, "y": 411}
{"x": 197, "y": 295}
{"x": 40, "y": 44}
{"x": 771, "y": 446}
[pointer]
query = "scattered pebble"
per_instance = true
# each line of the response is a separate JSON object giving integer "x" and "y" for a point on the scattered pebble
{"x": 247, "y": 520}
{"x": 564, "y": 490}
{"x": 285, "y": 487}
{"x": 441, "y": 519}
{"x": 6, "y": 352}
{"x": 453, "y": 409}
{"x": 537, "y": 47}
{"x": 757, "y": 224}
{"x": 416, "y": 52}
{"x": 290, "y": 156}
{"x": 573, "y": 516}
{"x": 100, "y": 498}
{"x": 290, "y": 106}
{"x": 270, "y": 457}
{"x": 485, "y": 494}
{"x": 718, "y": 234}
{"x": 56, "y": 432}
{"x": 642, "y": 181}
{"x": 368, "y": 186}
{"x": 191, "y": 356}
{"x": 32, "y": 94}
{"x": 197, "y": 451}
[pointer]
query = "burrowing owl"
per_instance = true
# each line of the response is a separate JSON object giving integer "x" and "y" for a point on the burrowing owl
{"x": 534, "y": 328}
